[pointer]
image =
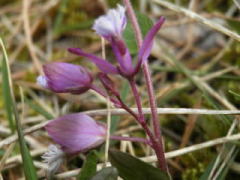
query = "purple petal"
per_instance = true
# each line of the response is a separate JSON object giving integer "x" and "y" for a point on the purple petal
{"x": 100, "y": 63}
{"x": 123, "y": 56}
{"x": 76, "y": 132}
{"x": 65, "y": 77}
{"x": 145, "y": 50}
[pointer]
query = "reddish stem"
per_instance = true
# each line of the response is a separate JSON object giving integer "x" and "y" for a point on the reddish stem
{"x": 156, "y": 145}
{"x": 159, "y": 148}
{"x": 102, "y": 93}
{"x": 152, "y": 101}
{"x": 138, "y": 100}
{"x": 139, "y": 117}
{"x": 124, "y": 106}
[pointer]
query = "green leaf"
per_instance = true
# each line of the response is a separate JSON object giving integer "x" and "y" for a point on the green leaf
{"x": 225, "y": 170}
{"x": 60, "y": 15}
{"x": 130, "y": 168}
{"x": 7, "y": 89}
{"x": 130, "y": 40}
{"x": 108, "y": 173}
{"x": 28, "y": 167}
{"x": 89, "y": 167}
{"x": 235, "y": 94}
{"x": 234, "y": 24}
{"x": 208, "y": 170}
{"x": 145, "y": 24}
{"x": 39, "y": 109}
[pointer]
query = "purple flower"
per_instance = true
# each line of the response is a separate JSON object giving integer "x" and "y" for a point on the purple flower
{"x": 65, "y": 77}
{"x": 111, "y": 26}
{"x": 76, "y": 132}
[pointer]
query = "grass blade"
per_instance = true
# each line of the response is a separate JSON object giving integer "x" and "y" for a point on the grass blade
{"x": 39, "y": 109}
{"x": 235, "y": 94}
{"x": 6, "y": 87}
{"x": 29, "y": 169}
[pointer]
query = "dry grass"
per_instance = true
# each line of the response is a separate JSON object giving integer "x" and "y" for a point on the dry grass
{"x": 194, "y": 64}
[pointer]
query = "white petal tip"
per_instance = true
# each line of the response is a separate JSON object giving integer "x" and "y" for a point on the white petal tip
{"x": 112, "y": 24}
{"x": 42, "y": 81}
{"x": 54, "y": 158}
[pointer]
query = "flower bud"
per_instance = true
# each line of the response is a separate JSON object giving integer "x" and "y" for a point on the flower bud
{"x": 65, "y": 77}
{"x": 76, "y": 132}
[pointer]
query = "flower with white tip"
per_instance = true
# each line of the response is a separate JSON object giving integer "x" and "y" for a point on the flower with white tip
{"x": 126, "y": 67}
{"x": 76, "y": 133}
{"x": 63, "y": 77}
{"x": 54, "y": 158}
{"x": 112, "y": 24}
{"x": 110, "y": 27}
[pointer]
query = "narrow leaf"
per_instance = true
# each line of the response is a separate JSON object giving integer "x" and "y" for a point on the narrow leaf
{"x": 39, "y": 109}
{"x": 28, "y": 167}
{"x": 130, "y": 167}
{"x": 207, "y": 171}
{"x": 235, "y": 94}
{"x": 223, "y": 173}
{"x": 60, "y": 15}
{"x": 7, "y": 89}
{"x": 108, "y": 173}
{"x": 89, "y": 167}
{"x": 234, "y": 24}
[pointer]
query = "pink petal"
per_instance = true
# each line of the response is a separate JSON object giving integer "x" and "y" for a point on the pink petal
{"x": 76, "y": 132}
{"x": 123, "y": 56}
{"x": 100, "y": 63}
{"x": 145, "y": 50}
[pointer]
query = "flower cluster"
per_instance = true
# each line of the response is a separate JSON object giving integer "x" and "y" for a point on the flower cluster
{"x": 78, "y": 132}
{"x": 65, "y": 77}
{"x": 110, "y": 27}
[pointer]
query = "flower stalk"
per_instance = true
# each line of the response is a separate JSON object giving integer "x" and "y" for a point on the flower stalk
{"x": 137, "y": 99}
{"x": 105, "y": 95}
{"x": 156, "y": 145}
{"x": 159, "y": 149}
